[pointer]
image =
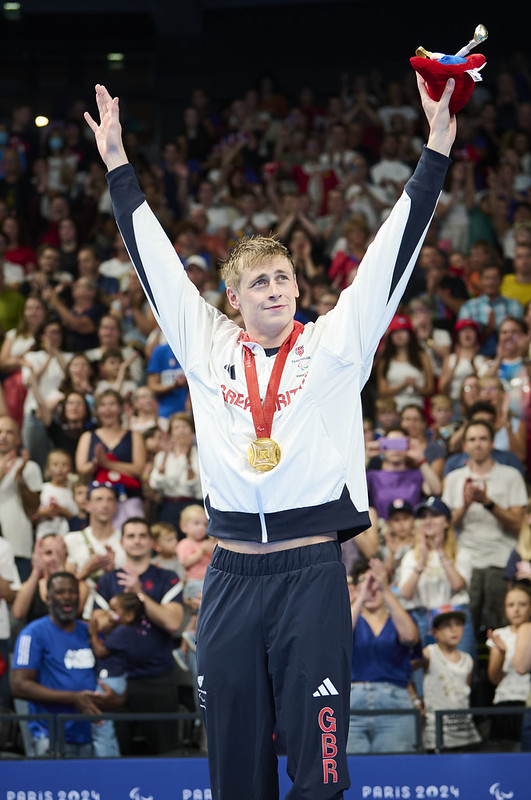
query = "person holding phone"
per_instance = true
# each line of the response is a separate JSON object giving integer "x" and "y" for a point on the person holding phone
{"x": 404, "y": 473}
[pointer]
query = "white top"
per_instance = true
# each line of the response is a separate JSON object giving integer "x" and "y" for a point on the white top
{"x": 9, "y": 572}
{"x": 20, "y": 345}
{"x": 512, "y": 686}
{"x": 463, "y": 369}
{"x": 80, "y": 545}
{"x": 13, "y": 273}
{"x": 319, "y": 484}
{"x": 433, "y": 587}
{"x": 445, "y": 686}
{"x": 480, "y": 534}
{"x": 16, "y": 526}
{"x": 64, "y": 497}
{"x": 50, "y": 380}
{"x": 174, "y": 481}
{"x": 114, "y": 268}
{"x": 396, "y": 373}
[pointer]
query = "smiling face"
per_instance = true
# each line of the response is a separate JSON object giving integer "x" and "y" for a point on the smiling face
{"x": 266, "y": 299}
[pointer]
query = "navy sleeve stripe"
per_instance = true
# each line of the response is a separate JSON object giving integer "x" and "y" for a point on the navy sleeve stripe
{"x": 127, "y": 197}
{"x": 423, "y": 189}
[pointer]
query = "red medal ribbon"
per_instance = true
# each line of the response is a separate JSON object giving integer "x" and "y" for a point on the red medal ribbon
{"x": 263, "y": 414}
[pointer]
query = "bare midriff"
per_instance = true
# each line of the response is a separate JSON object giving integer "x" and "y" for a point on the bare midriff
{"x": 238, "y": 546}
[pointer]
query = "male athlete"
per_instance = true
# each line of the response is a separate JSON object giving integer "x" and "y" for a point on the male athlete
{"x": 279, "y": 430}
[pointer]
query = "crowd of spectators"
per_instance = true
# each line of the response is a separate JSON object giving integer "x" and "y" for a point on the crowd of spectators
{"x": 96, "y": 425}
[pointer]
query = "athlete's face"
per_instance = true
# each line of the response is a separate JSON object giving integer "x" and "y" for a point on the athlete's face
{"x": 266, "y": 299}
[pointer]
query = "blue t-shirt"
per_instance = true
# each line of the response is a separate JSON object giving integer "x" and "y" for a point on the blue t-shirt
{"x": 164, "y": 364}
{"x": 382, "y": 658}
{"x": 62, "y": 660}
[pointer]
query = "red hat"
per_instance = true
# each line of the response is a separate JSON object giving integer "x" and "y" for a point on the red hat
{"x": 466, "y": 323}
{"x": 400, "y": 322}
{"x": 436, "y": 75}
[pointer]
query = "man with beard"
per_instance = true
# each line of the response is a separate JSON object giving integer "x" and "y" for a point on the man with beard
{"x": 53, "y": 668}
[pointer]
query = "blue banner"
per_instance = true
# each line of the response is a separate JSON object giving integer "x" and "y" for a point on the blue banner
{"x": 504, "y": 776}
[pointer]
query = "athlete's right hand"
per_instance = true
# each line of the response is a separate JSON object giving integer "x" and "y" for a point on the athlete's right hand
{"x": 108, "y": 133}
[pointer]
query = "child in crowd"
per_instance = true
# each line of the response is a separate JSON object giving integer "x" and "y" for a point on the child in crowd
{"x": 512, "y": 689}
{"x": 145, "y": 410}
{"x": 399, "y": 538}
{"x": 518, "y": 567}
{"x": 447, "y": 676}
{"x": 57, "y": 503}
{"x": 164, "y": 537}
{"x": 386, "y": 415}
{"x": 442, "y": 413}
{"x": 80, "y": 519}
{"x": 113, "y": 368}
{"x": 194, "y": 553}
{"x": 113, "y": 653}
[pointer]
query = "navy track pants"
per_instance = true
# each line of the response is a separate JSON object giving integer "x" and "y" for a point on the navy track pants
{"x": 274, "y": 645}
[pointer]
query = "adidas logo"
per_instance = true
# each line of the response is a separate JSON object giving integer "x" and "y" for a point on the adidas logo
{"x": 325, "y": 689}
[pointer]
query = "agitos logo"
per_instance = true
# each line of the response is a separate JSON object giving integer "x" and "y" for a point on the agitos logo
{"x": 327, "y": 724}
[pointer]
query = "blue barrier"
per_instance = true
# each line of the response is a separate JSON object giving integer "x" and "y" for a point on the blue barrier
{"x": 475, "y": 776}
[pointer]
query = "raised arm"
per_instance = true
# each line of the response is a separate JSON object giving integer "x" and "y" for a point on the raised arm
{"x": 108, "y": 133}
{"x": 443, "y": 126}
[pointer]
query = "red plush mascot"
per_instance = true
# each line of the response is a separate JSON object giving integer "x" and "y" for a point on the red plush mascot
{"x": 436, "y": 68}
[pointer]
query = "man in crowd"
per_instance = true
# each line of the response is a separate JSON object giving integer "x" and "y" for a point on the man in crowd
{"x": 152, "y": 685}
{"x": 487, "y": 501}
{"x": 97, "y": 548}
{"x": 53, "y": 668}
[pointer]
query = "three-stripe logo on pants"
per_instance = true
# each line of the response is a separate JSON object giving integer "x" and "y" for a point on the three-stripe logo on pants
{"x": 325, "y": 689}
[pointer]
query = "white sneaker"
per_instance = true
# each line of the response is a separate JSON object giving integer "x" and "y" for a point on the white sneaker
{"x": 180, "y": 659}
{"x": 189, "y": 638}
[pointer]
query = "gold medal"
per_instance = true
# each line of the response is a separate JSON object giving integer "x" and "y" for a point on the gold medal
{"x": 263, "y": 454}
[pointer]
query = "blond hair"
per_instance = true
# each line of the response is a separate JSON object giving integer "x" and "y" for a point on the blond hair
{"x": 158, "y": 528}
{"x": 523, "y": 545}
{"x": 441, "y": 401}
{"x": 249, "y": 252}
{"x": 189, "y": 511}
{"x": 449, "y": 543}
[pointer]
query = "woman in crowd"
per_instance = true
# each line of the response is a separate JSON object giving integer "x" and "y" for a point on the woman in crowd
{"x": 67, "y": 422}
{"x": 175, "y": 474}
{"x": 435, "y": 572}
{"x": 79, "y": 378}
{"x": 510, "y": 431}
{"x": 413, "y": 420}
{"x": 80, "y": 317}
{"x": 17, "y": 342}
{"x": 18, "y": 248}
{"x": 518, "y": 568}
{"x": 405, "y": 473}
{"x": 384, "y": 634}
{"x": 47, "y": 365}
{"x": 403, "y": 369}
{"x": 109, "y": 338}
{"x": 113, "y": 453}
{"x": 464, "y": 360}
{"x": 351, "y": 249}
